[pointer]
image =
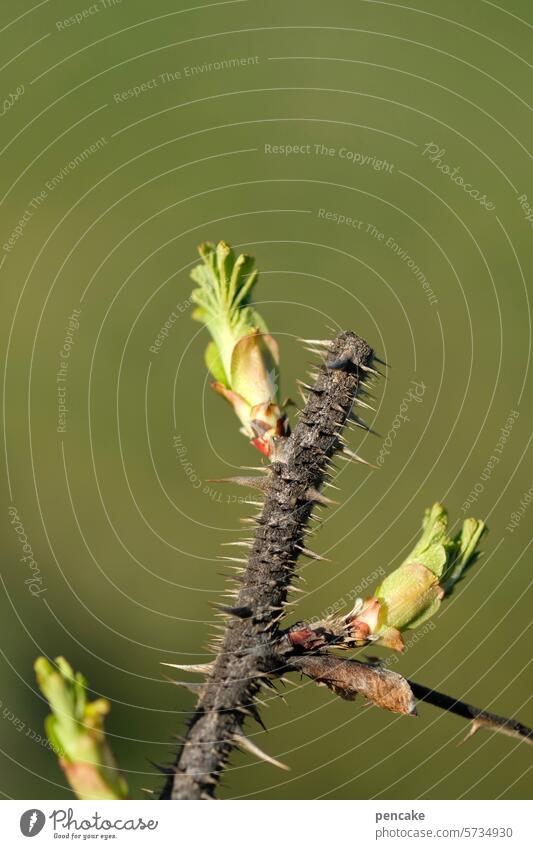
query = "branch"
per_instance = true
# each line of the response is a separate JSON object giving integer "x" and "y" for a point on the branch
{"x": 480, "y": 718}
{"x": 291, "y": 490}
{"x": 254, "y": 650}
{"x": 388, "y": 690}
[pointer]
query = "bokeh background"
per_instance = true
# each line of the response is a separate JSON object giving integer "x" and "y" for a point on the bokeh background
{"x": 127, "y": 531}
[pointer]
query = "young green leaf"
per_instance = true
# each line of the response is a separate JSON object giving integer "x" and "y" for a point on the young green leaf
{"x": 75, "y": 729}
{"x": 414, "y": 591}
{"x": 242, "y": 357}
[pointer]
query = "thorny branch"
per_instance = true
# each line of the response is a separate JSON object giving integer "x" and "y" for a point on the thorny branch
{"x": 253, "y": 650}
{"x": 291, "y": 488}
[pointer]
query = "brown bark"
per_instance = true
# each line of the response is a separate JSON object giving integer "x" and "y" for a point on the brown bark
{"x": 291, "y": 490}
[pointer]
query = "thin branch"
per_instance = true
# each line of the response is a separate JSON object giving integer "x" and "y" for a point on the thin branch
{"x": 291, "y": 491}
{"x": 480, "y": 718}
{"x": 391, "y": 691}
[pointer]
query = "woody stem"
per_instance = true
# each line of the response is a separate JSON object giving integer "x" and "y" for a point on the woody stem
{"x": 291, "y": 490}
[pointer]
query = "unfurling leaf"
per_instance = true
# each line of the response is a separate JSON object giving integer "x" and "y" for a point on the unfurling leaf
{"x": 414, "y": 592}
{"x": 350, "y": 678}
{"x": 243, "y": 358}
{"x": 75, "y": 728}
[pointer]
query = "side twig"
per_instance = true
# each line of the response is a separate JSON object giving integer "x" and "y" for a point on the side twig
{"x": 479, "y": 718}
{"x": 391, "y": 691}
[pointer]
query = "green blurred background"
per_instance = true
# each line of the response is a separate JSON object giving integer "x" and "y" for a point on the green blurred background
{"x": 127, "y": 536}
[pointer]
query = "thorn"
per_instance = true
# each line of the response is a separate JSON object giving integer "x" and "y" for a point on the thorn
{"x": 239, "y": 571}
{"x": 373, "y": 371}
{"x": 275, "y": 619}
{"x": 310, "y": 388}
{"x": 197, "y": 689}
{"x": 364, "y": 404}
{"x": 166, "y": 770}
{"x": 312, "y": 554}
{"x": 268, "y": 685}
{"x": 252, "y": 482}
{"x": 201, "y": 668}
{"x": 324, "y": 343}
{"x": 237, "y": 578}
{"x": 353, "y": 419}
{"x": 286, "y": 681}
{"x": 373, "y": 660}
{"x": 240, "y": 612}
{"x": 474, "y": 727}
{"x": 313, "y": 494}
{"x": 353, "y": 456}
{"x": 227, "y": 559}
{"x": 251, "y": 710}
{"x": 256, "y": 716}
{"x": 231, "y": 594}
{"x": 245, "y": 543}
{"x": 341, "y": 363}
{"x": 244, "y": 742}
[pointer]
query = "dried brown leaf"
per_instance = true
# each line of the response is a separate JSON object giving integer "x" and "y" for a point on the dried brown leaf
{"x": 349, "y": 678}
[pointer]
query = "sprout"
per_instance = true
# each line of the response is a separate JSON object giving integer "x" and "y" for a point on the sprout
{"x": 75, "y": 729}
{"x": 414, "y": 591}
{"x": 242, "y": 356}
